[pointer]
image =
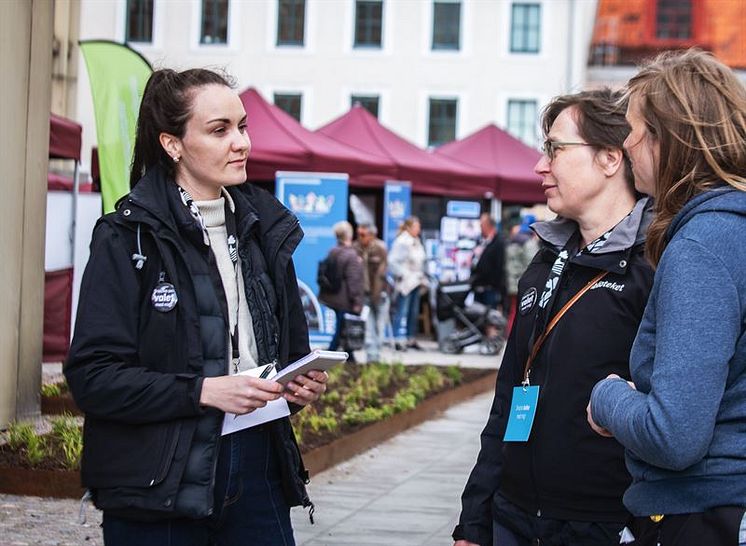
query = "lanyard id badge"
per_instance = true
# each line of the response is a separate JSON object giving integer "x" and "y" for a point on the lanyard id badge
{"x": 522, "y": 413}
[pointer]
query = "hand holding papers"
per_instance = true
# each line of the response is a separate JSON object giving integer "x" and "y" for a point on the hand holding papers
{"x": 315, "y": 360}
{"x": 273, "y": 410}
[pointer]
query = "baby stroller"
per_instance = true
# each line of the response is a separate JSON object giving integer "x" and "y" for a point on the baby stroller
{"x": 472, "y": 322}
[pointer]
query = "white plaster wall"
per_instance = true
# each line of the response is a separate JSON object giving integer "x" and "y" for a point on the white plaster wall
{"x": 483, "y": 75}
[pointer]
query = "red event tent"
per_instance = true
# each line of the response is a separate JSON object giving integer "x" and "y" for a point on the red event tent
{"x": 508, "y": 159}
{"x": 280, "y": 143}
{"x": 65, "y": 138}
{"x": 428, "y": 173}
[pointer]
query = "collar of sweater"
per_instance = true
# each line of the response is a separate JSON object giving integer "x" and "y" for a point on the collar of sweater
{"x": 213, "y": 210}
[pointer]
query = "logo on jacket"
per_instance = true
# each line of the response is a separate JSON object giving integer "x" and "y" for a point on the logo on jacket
{"x": 528, "y": 299}
{"x": 610, "y": 285}
{"x": 164, "y": 297}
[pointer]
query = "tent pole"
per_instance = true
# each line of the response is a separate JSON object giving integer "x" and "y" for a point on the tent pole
{"x": 74, "y": 221}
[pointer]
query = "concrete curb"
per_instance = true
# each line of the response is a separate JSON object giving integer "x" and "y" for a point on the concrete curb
{"x": 333, "y": 453}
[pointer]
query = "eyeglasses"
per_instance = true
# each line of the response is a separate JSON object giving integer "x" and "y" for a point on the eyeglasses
{"x": 550, "y": 147}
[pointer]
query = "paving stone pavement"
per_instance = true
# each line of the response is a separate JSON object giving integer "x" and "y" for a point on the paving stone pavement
{"x": 403, "y": 492}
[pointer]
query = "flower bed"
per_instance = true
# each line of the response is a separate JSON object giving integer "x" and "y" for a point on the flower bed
{"x": 339, "y": 425}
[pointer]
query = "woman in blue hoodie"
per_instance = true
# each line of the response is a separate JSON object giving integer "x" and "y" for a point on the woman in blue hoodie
{"x": 682, "y": 418}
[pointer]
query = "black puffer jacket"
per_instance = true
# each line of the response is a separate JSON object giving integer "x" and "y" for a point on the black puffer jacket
{"x": 137, "y": 372}
{"x": 565, "y": 470}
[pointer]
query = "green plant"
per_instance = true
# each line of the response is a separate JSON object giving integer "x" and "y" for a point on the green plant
{"x": 49, "y": 390}
{"x": 36, "y": 449}
{"x": 66, "y": 429}
{"x": 18, "y": 435}
{"x": 454, "y": 373}
{"x": 404, "y": 401}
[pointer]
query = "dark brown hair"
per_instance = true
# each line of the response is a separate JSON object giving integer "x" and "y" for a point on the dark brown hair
{"x": 599, "y": 115}
{"x": 165, "y": 108}
{"x": 694, "y": 107}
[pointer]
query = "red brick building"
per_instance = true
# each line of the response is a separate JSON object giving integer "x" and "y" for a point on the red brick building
{"x": 627, "y": 31}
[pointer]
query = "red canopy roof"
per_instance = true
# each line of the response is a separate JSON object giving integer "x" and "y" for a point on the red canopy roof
{"x": 427, "y": 172}
{"x": 65, "y": 137}
{"x": 280, "y": 143}
{"x": 505, "y": 157}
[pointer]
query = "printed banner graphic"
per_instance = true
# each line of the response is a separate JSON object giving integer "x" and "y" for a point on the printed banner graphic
{"x": 397, "y": 206}
{"x": 319, "y": 200}
{"x": 118, "y": 75}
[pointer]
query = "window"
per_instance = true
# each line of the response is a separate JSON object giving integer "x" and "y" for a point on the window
{"x": 290, "y": 103}
{"x": 446, "y": 25}
{"x": 673, "y": 20}
{"x": 139, "y": 21}
{"x": 522, "y": 120}
{"x": 291, "y": 15}
{"x": 369, "y": 102}
{"x": 214, "y": 22}
{"x": 525, "y": 28}
{"x": 368, "y": 23}
{"x": 442, "y": 126}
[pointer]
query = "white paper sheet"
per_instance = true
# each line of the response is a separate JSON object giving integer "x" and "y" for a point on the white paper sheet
{"x": 273, "y": 410}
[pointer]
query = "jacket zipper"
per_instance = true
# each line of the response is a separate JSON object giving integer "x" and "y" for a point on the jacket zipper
{"x": 167, "y": 456}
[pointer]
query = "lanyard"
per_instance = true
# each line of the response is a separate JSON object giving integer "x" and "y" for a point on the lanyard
{"x": 232, "y": 239}
{"x": 553, "y": 323}
{"x": 546, "y": 301}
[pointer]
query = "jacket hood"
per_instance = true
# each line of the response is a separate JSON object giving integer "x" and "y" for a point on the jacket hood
{"x": 722, "y": 199}
{"x": 631, "y": 231}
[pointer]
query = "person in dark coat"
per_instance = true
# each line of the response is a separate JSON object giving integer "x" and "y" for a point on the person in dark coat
{"x": 190, "y": 283}
{"x": 487, "y": 278}
{"x": 349, "y": 298}
{"x": 542, "y": 473}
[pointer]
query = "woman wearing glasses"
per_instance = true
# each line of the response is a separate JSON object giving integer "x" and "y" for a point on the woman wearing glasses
{"x": 542, "y": 473}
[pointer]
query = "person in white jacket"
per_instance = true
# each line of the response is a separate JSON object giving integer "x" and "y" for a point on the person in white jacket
{"x": 407, "y": 265}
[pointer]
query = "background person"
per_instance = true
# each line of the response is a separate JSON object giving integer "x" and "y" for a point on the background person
{"x": 349, "y": 297}
{"x": 189, "y": 282}
{"x": 556, "y": 481}
{"x": 487, "y": 278}
{"x": 520, "y": 250}
{"x": 373, "y": 252}
{"x": 683, "y": 421}
{"x": 407, "y": 265}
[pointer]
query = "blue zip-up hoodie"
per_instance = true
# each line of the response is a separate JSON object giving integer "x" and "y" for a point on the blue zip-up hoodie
{"x": 684, "y": 428}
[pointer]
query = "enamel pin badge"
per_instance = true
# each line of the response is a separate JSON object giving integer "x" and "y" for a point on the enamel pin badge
{"x": 164, "y": 296}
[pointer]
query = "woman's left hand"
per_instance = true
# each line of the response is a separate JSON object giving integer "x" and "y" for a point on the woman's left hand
{"x": 304, "y": 389}
{"x": 596, "y": 428}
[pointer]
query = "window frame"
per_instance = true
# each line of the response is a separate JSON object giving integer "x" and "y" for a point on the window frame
{"x": 442, "y": 99}
{"x": 527, "y": 31}
{"x": 290, "y": 44}
{"x": 290, "y": 94}
{"x": 201, "y": 23}
{"x": 535, "y": 124}
{"x": 361, "y": 97}
{"x": 127, "y": 21}
{"x": 459, "y": 29}
{"x": 368, "y": 47}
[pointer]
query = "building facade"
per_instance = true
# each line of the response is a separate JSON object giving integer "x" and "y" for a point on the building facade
{"x": 628, "y": 31}
{"x": 431, "y": 70}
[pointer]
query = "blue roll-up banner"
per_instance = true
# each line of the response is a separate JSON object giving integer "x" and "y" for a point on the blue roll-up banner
{"x": 397, "y": 206}
{"x": 319, "y": 200}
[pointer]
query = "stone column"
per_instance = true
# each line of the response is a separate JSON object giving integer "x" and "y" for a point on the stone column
{"x": 25, "y": 64}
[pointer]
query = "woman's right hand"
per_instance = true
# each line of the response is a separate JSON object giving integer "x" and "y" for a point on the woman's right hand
{"x": 238, "y": 394}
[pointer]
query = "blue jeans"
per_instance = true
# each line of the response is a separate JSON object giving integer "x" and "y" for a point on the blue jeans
{"x": 249, "y": 507}
{"x": 334, "y": 344}
{"x": 375, "y": 327}
{"x": 407, "y": 311}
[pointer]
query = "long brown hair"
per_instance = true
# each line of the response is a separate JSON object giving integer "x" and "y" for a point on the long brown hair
{"x": 695, "y": 109}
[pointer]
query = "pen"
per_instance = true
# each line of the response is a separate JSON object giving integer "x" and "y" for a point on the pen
{"x": 266, "y": 371}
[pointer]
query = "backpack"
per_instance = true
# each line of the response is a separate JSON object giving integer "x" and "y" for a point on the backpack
{"x": 327, "y": 275}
